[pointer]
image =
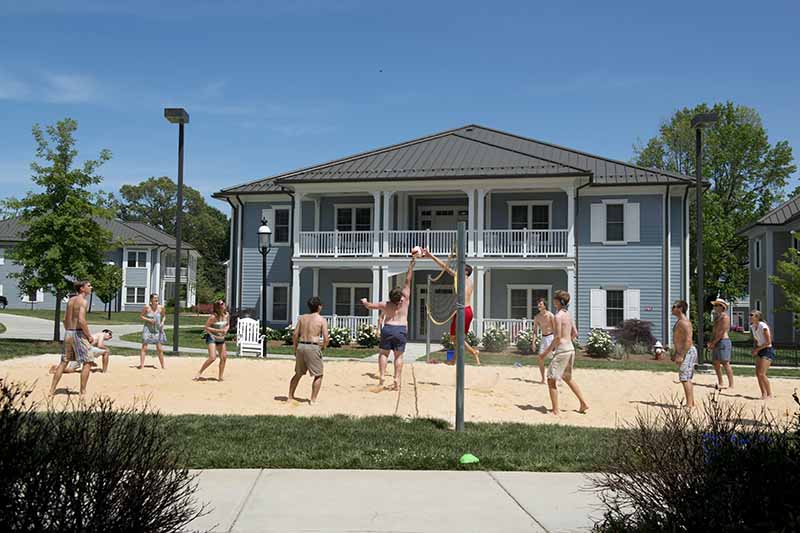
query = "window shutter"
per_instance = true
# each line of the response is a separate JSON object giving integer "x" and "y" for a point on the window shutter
{"x": 598, "y": 222}
{"x": 632, "y": 309}
{"x": 632, "y": 222}
{"x": 598, "y": 306}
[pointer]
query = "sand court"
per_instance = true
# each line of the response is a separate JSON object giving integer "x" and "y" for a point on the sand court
{"x": 493, "y": 394}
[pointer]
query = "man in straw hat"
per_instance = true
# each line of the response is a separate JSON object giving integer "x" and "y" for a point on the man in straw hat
{"x": 720, "y": 344}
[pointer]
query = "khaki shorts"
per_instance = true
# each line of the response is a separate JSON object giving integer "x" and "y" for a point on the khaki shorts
{"x": 308, "y": 359}
{"x": 76, "y": 347}
{"x": 561, "y": 365}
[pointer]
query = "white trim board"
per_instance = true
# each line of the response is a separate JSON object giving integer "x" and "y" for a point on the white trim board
{"x": 353, "y": 304}
{"x": 530, "y": 203}
{"x": 529, "y": 296}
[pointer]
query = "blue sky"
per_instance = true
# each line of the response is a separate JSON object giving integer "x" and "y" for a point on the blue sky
{"x": 275, "y": 86}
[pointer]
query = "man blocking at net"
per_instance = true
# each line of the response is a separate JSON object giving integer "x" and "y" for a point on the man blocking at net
{"x": 467, "y": 298}
{"x": 394, "y": 332}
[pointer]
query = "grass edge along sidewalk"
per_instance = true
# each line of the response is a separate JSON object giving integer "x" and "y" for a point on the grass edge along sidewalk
{"x": 384, "y": 442}
{"x": 100, "y": 318}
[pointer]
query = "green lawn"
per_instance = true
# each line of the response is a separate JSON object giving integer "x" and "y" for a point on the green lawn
{"x": 100, "y": 318}
{"x": 194, "y": 338}
{"x": 383, "y": 443}
{"x": 11, "y": 348}
{"x": 2, "y": 328}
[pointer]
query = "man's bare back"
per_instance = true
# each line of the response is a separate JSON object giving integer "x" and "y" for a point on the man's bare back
{"x": 396, "y": 314}
{"x": 310, "y": 328}
{"x": 75, "y": 316}
{"x": 565, "y": 331}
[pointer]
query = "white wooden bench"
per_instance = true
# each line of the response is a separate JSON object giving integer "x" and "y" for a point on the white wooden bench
{"x": 249, "y": 337}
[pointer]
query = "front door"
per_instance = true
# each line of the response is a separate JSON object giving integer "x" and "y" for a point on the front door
{"x": 421, "y": 314}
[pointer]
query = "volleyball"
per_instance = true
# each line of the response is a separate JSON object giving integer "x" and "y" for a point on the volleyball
{"x": 416, "y": 251}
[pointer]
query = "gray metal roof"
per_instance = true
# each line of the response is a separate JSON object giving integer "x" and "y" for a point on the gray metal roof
{"x": 783, "y": 214}
{"x": 130, "y": 233}
{"x": 471, "y": 152}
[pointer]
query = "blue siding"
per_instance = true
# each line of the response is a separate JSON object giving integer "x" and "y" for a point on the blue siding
{"x": 636, "y": 265}
{"x": 677, "y": 218}
{"x": 277, "y": 259}
{"x": 327, "y": 211}
{"x": 499, "y": 205}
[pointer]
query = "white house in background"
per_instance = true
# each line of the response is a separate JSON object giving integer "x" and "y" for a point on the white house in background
{"x": 146, "y": 255}
{"x": 540, "y": 218}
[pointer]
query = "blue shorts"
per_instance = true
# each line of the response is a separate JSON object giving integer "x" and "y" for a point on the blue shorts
{"x": 767, "y": 353}
{"x": 722, "y": 351}
{"x": 393, "y": 338}
{"x": 211, "y": 340}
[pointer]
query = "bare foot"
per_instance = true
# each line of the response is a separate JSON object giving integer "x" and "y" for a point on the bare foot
{"x": 583, "y": 408}
{"x": 140, "y": 367}
{"x": 220, "y": 379}
{"x": 394, "y": 387}
{"x": 197, "y": 378}
{"x": 555, "y": 412}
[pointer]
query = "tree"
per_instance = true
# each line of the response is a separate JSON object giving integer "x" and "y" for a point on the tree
{"x": 61, "y": 239}
{"x": 107, "y": 282}
{"x": 747, "y": 177}
{"x": 153, "y": 201}
{"x": 788, "y": 279}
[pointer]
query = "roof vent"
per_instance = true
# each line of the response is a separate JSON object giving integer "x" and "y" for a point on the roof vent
{"x": 468, "y": 129}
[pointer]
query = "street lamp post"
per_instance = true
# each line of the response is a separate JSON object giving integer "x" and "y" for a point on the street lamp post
{"x": 699, "y": 122}
{"x": 179, "y": 116}
{"x": 264, "y": 246}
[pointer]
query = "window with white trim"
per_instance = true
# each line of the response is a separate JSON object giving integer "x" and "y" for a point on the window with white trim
{"x": 615, "y": 308}
{"x": 38, "y": 298}
{"x": 135, "y": 295}
{"x": 137, "y": 259}
{"x": 347, "y": 299}
{"x": 523, "y": 300}
{"x": 615, "y": 222}
{"x": 281, "y": 225}
{"x": 280, "y": 303}
{"x": 530, "y": 215}
{"x": 610, "y": 306}
{"x": 353, "y": 218}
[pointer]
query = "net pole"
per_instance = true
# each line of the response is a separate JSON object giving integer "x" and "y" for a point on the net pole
{"x": 460, "y": 327}
{"x": 428, "y": 323}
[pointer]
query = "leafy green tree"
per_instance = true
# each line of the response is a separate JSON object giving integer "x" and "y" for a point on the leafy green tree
{"x": 788, "y": 279}
{"x": 747, "y": 176}
{"x": 154, "y": 200}
{"x": 61, "y": 239}
{"x": 107, "y": 282}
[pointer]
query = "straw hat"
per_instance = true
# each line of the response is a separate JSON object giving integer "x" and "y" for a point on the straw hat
{"x": 720, "y": 301}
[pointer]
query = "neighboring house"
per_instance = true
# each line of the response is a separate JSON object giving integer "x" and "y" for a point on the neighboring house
{"x": 769, "y": 239}
{"x": 147, "y": 258}
{"x": 540, "y": 218}
{"x": 739, "y": 312}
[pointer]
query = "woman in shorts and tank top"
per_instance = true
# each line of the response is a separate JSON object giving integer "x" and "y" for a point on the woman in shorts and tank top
{"x": 153, "y": 316}
{"x": 216, "y": 329}
{"x": 763, "y": 352}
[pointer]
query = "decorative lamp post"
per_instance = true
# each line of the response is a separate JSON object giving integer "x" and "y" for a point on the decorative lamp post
{"x": 264, "y": 246}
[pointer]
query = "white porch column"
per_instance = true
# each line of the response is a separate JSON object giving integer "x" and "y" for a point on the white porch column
{"x": 316, "y": 215}
{"x": 481, "y": 220}
{"x": 479, "y": 297}
{"x": 376, "y": 283}
{"x": 376, "y": 224}
{"x": 297, "y": 222}
{"x": 387, "y": 222}
{"x": 570, "y": 190}
{"x": 470, "y": 222}
{"x": 385, "y": 284}
{"x": 316, "y": 281}
{"x": 571, "y": 290}
{"x": 295, "y": 293}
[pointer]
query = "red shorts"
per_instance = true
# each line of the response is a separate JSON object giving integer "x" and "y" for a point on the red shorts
{"x": 467, "y": 321}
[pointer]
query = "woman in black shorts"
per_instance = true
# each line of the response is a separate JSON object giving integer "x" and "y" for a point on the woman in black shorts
{"x": 763, "y": 352}
{"x": 216, "y": 328}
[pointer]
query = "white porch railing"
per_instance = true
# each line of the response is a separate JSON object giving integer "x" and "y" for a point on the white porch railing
{"x": 336, "y": 243}
{"x": 439, "y": 242}
{"x": 351, "y": 323}
{"x": 169, "y": 272}
{"x": 513, "y": 325}
{"x": 525, "y": 242}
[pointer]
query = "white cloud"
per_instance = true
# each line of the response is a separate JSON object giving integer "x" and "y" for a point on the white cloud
{"x": 13, "y": 88}
{"x": 69, "y": 88}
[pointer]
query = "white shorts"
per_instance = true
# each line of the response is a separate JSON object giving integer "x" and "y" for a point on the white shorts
{"x": 545, "y": 342}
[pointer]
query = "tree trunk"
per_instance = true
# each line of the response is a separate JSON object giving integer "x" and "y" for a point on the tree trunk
{"x": 109, "y": 310}
{"x": 57, "y": 325}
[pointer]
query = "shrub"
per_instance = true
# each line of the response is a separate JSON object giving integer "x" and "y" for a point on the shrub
{"x": 524, "y": 339}
{"x": 108, "y": 463}
{"x": 275, "y": 334}
{"x": 288, "y": 333}
{"x": 599, "y": 343}
{"x": 472, "y": 340}
{"x": 635, "y": 331}
{"x": 367, "y": 336}
{"x": 495, "y": 339}
{"x": 339, "y": 337}
{"x": 678, "y": 471}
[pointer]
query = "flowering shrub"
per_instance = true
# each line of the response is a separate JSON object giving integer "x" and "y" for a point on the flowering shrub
{"x": 288, "y": 332}
{"x": 472, "y": 340}
{"x": 367, "y": 336}
{"x": 524, "y": 339}
{"x": 275, "y": 334}
{"x": 339, "y": 337}
{"x": 495, "y": 339}
{"x": 599, "y": 343}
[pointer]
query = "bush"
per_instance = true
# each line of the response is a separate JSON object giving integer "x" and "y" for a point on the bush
{"x": 495, "y": 339}
{"x": 276, "y": 334}
{"x": 524, "y": 339}
{"x": 678, "y": 471}
{"x": 599, "y": 343}
{"x": 367, "y": 336}
{"x": 472, "y": 340}
{"x": 117, "y": 467}
{"x": 635, "y": 331}
{"x": 288, "y": 333}
{"x": 339, "y": 337}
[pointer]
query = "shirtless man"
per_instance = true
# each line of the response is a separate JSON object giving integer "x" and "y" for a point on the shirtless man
{"x": 720, "y": 345}
{"x": 467, "y": 299}
{"x": 563, "y": 353}
{"x": 545, "y": 321}
{"x": 685, "y": 355}
{"x": 76, "y": 337}
{"x": 98, "y": 347}
{"x": 394, "y": 331}
{"x": 309, "y": 339}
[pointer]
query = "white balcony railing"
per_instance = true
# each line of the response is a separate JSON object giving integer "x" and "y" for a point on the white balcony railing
{"x": 169, "y": 272}
{"x": 513, "y": 325}
{"x": 525, "y": 242}
{"x": 439, "y": 242}
{"x": 336, "y": 243}
{"x": 351, "y": 323}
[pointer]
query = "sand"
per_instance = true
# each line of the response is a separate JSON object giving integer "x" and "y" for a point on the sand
{"x": 507, "y": 394}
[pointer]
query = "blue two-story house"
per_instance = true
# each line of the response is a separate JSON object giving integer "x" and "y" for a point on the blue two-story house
{"x": 540, "y": 218}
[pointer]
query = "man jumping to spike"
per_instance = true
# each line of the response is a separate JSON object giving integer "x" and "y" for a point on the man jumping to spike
{"x": 467, "y": 299}
{"x": 394, "y": 332}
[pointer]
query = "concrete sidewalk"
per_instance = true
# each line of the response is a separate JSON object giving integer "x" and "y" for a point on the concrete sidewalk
{"x": 394, "y": 501}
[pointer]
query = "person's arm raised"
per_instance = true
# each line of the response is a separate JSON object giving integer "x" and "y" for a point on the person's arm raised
{"x": 409, "y": 277}
{"x": 373, "y": 305}
{"x": 439, "y": 262}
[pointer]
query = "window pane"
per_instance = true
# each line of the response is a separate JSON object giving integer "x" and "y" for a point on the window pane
{"x": 519, "y": 303}
{"x": 131, "y": 259}
{"x": 615, "y": 232}
{"x": 358, "y": 309}
{"x": 344, "y": 219}
{"x": 615, "y": 213}
{"x": 281, "y": 217}
{"x": 281, "y": 229}
{"x": 142, "y": 259}
{"x": 541, "y": 217}
{"x": 519, "y": 216}
{"x": 343, "y": 301}
{"x": 615, "y": 308}
{"x": 363, "y": 219}
{"x": 280, "y": 296}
